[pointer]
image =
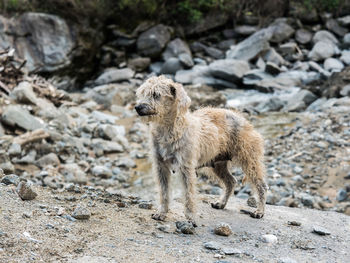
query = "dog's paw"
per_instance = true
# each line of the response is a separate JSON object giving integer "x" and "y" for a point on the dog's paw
{"x": 218, "y": 205}
{"x": 159, "y": 217}
{"x": 257, "y": 214}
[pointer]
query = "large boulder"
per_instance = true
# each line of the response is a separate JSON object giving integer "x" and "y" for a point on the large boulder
{"x": 300, "y": 101}
{"x": 44, "y": 40}
{"x": 251, "y": 46}
{"x": 152, "y": 42}
{"x": 229, "y": 69}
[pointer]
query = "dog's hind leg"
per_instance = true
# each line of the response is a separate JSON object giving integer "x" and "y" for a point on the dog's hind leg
{"x": 163, "y": 175}
{"x": 221, "y": 171}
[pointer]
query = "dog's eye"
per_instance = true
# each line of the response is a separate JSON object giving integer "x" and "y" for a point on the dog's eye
{"x": 155, "y": 96}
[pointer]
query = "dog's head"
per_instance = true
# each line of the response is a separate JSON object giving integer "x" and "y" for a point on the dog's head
{"x": 159, "y": 98}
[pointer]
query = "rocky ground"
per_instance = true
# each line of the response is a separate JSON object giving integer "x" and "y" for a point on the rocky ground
{"x": 90, "y": 225}
{"x": 86, "y": 148}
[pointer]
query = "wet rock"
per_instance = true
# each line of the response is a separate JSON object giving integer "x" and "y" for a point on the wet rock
{"x": 10, "y": 179}
{"x": 81, "y": 213}
{"x": 139, "y": 64}
{"x": 270, "y": 239}
{"x": 49, "y": 159}
{"x": 281, "y": 31}
{"x": 114, "y": 75}
{"x": 251, "y": 46}
{"x": 223, "y": 229}
{"x": 320, "y": 230}
{"x": 151, "y": 42}
{"x": 175, "y": 48}
{"x": 185, "y": 227}
{"x": 300, "y": 101}
{"x": 15, "y": 115}
{"x": 171, "y": 66}
{"x": 324, "y": 35}
{"x": 303, "y": 36}
{"x": 212, "y": 245}
{"x": 322, "y": 50}
{"x": 25, "y": 191}
{"x": 333, "y": 65}
{"x": 101, "y": 171}
{"x": 229, "y": 69}
{"x": 24, "y": 93}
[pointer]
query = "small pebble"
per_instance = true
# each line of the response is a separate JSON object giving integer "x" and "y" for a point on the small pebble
{"x": 146, "y": 206}
{"x": 185, "y": 227}
{"x": 320, "y": 230}
{"x": 25, "y": 191}
{"x": 212, "y": 245}
{"x": 223, "y": 229}
{"x": 251, "y": 202}
{"x": 294, "y": 223}
{"x": 81, "y": 213}
{"x": 269, "y": 239}
{"x": 231, "y": 251}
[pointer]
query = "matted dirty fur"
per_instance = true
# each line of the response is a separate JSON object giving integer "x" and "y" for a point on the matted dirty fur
{"x": 183, "y": 141}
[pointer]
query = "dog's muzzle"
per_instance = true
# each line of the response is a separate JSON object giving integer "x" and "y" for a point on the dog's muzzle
{"x": 144, "y": 110}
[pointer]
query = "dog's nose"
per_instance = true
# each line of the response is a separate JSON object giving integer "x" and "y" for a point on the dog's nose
{"x": 139, "y": 108}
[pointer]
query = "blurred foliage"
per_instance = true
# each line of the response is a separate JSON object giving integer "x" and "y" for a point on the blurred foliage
{"x": 128, "y": 13}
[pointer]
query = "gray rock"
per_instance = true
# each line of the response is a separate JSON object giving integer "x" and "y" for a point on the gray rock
{"x": 110, "y": 132}
{"x": 139, "y": 64}
{"x": 324, "y": 36}
{"x": 251, "y": 46}
{"x": 345, "y": 91}
{"x": 345, "y": 57}
{"x": 214, "y": 52}
{"x": 15, "y": 149}
{"x": 272, "y": 104}
{"x": 303, "y": 36}
{"x": 223, "y": 229}
{"x": 175, "y": 48}
{"x": 101, "y": 171}
{"x": 281, "y": 32}
{"x": 25, "y": 191}
{"x": 146, "y": 205}
{"x": 14, "y": 115}
{"x": 103, "y": 117}
{"x": 322, "y": 50}
{"x": 214, "y": 82}
{"x": 23, "y": 93}
{"x": 226, "y": 44}
{"x": 45, "y": 41}
{"x": 186, "y": 60}
{"x": 333, "y": 65}
{"x": 286, "y": 260}
{"x": 272, "y": 68}
{"x": 7, "y": 167}
{"x": 212, "y": 245}
{"x": 272, "y": 55}
{"x": 156, "y": 67}
{"x": 290, "y": 49}
{"x": 114, "y": 75}
{"x": 81, "y": 213}
{"x": 10, "y": 179}
{"x": 73, "y": 173}
{"x": 229, "y": 69}
{"x": 307, "y": 200}
{"x": 300, "y": 101}
{"x": 246, "y": 30}
{"x": 171, "y": 66}
{"x": 346, "y": 39}
{"x": 185, "y": 227}
{"x": 27, "y": 159}
{"x": 231, "y": 251}
{"x": 187, "y": 76}
{"x": 344, "y": 21}
{"x": 49, "y": 159}
{"x": 269, "y": 238}
{"x": 320, "y": 230}
{"x": 342, "y": 195}
{"x": 333, "y": 26}
{"x": 106, "y": 146}
{"x": 152, "y": 42}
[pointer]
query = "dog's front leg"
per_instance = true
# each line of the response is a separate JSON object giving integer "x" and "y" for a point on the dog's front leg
{"x": 188, "y": 176}
{"x": 163, "y": 175}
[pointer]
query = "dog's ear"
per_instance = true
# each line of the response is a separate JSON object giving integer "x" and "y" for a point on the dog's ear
{"x": 183, "y": 101}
